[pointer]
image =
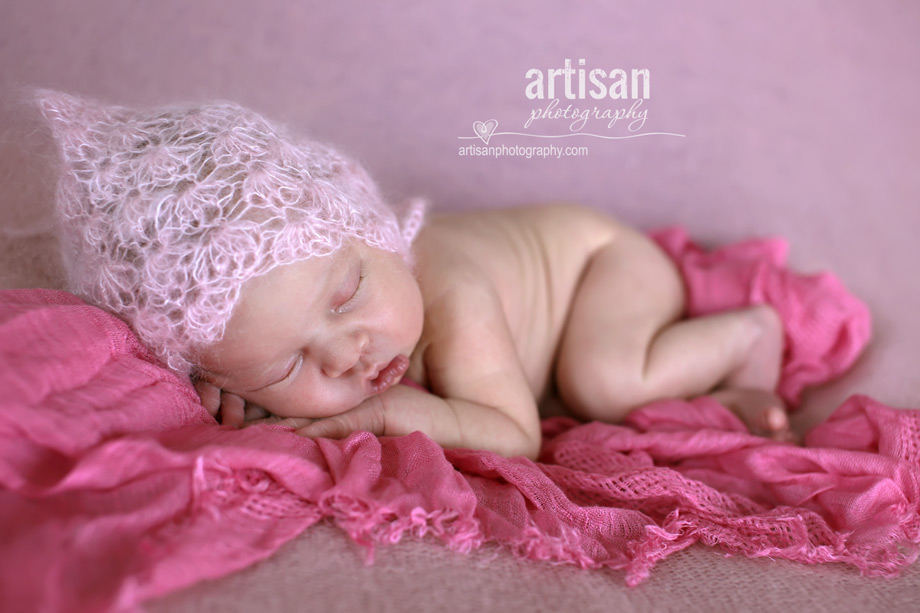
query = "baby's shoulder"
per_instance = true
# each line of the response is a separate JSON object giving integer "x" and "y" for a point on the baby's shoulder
{"x": 497, "y": 237}
{"x": 506, "y": 251}
{"x": 507, "y": 224}
{"x": 565, "y": 222}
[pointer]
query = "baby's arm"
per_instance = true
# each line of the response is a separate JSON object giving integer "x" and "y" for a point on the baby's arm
{"x": 451, "y": 422}
{"x": 481, "y": 398}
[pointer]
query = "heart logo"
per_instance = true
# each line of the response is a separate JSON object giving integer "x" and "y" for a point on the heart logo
{"x": 485, "y": 129}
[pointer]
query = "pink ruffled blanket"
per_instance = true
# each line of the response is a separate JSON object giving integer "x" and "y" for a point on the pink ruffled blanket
{"x": 117, "y": 487}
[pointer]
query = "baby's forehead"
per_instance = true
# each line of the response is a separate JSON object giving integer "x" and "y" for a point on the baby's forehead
{"x": 309, "y": 275}
{"x": 306, "y": 284}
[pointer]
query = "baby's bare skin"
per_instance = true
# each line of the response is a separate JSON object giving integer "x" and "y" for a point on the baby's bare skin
{"x": 531, "y": 258}
{"x": 536, "y": 260}
{"x": 525, "y": 302}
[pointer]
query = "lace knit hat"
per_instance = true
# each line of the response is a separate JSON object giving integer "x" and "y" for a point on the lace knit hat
{"x": 165, "y": 213}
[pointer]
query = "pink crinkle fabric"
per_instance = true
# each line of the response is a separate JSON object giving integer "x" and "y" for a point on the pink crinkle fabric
{"x": 826, "y": 326}
{"x": 117, "y": 487}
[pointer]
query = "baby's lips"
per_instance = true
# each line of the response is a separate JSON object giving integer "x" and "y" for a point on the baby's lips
{"x": 390, "y": 374}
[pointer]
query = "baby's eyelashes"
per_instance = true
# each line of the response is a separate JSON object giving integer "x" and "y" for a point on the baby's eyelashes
{"x": 289, "y": 374}
{"x": 352, "y": 294}
{"x": 295, "y": 368}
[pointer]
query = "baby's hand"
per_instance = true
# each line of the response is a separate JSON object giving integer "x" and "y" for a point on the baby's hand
{"x": 367, "y": 416}
{"x": 402, "y": 410}
{"x": 234, "y": 410}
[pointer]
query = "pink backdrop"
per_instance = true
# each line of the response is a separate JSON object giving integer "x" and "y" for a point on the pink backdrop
{"x": 799, "y": 117}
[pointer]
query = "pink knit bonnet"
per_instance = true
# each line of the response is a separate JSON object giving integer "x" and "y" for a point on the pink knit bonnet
{"x": 165, "y": 213}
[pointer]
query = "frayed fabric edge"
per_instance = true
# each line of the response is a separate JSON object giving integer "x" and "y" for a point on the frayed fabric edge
{"x": 370, "y": 524}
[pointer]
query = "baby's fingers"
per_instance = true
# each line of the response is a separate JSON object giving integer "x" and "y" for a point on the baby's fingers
{"x": 232, "y": 410}
{"x": 274, "y": 420}
{"x": 331, "y": 427}
{"x": 255, "y": 413}
{"x": 209, "y": 395}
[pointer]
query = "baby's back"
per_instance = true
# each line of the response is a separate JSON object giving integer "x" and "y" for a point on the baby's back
{"x": 531, "y": 257}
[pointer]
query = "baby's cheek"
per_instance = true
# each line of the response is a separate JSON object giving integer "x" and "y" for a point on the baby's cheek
{"x": 407, "y": 321}
{"x": 303, "y": 402}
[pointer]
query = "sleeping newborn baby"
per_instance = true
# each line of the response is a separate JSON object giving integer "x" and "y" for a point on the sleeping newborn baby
{"x": 271, "y": 270}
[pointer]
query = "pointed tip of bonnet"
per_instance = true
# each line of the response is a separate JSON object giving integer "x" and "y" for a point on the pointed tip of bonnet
{"x": 69, "y": 116}
{"x": 60, "y": 107}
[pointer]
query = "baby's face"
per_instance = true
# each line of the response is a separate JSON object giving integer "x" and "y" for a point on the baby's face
{"x": 316, "y": 338}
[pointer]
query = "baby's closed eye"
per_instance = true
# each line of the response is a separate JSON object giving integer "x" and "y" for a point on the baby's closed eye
{"x": 352, "y": 291}
{"x": 292, "y": 372}
{"x": 289, "y": 374}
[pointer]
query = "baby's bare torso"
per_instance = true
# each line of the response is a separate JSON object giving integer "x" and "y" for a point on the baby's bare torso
{"x": 532, "y": 258}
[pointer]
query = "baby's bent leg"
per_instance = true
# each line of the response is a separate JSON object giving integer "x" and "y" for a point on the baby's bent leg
{"x": 624, "y": 345}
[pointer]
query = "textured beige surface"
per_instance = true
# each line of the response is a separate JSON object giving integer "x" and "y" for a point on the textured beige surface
{"x": 800, "y": 120}
{"x": 323, "y": 570}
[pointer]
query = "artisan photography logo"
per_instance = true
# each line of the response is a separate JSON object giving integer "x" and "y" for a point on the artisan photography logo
{"x": 572, "y": 102}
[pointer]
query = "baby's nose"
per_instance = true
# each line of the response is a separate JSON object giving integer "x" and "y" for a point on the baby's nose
{"x": 343, "y": 356}
{"x": 335, "y": 367}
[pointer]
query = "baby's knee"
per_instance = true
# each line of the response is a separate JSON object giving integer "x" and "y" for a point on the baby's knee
{"x": 593, "y": 391}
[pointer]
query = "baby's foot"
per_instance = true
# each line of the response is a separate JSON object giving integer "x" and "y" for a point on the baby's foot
{"x": 763, "y": 361}
{"x": 762, "y": 411}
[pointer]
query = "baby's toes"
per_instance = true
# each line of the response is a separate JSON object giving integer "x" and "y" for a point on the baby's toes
{"x": 774, "y": 424}
{"x": 774, "y": 419}
{"x": 762, "y": 411}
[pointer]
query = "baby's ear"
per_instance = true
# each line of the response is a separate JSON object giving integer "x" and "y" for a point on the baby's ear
{"x": 71, "y": 119}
